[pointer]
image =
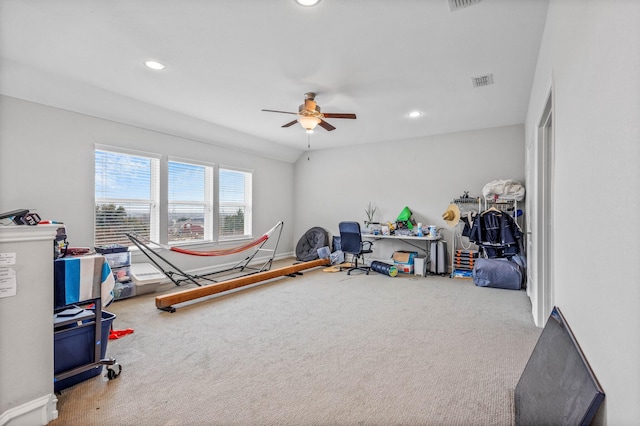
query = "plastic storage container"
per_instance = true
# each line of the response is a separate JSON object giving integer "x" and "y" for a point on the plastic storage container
{"x": 74, "y": 347}
{"x": 146, "y": 276}
{"x": 124, "y": 290}
{"x": 117, "y": 260}
{"x": 113, "y": 248}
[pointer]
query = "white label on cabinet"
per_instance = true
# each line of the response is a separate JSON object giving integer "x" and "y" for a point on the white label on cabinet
{"x": 7, "y": 282}
{"x": 7, "y": 259}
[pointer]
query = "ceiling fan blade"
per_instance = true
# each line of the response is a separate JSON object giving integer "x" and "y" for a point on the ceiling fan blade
{"x": 328, "y": 127}
{"x": 338, "y": 115}
{"x": 290, "y": 124}
{"x": 282, "y": 112}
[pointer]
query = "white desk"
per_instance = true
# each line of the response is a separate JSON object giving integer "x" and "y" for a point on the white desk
{"x": 412, "y": 240}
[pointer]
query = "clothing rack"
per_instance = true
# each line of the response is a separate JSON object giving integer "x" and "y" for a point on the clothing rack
{"x": 507, "y": 205}
{"x": 465, "y": 201}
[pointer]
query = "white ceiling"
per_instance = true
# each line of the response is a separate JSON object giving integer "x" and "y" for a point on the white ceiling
{"x": 228, "y": 59}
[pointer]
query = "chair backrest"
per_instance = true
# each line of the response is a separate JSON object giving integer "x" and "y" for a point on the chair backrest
{"x": 350, "y": 238}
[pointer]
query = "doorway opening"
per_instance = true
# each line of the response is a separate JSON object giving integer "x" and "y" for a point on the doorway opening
{"x": 545, "y": 223}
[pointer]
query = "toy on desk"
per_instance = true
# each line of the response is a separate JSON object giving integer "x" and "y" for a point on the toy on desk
{"x": 405, "y": 219}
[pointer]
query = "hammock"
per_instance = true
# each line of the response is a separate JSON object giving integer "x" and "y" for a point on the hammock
{"x": 178, "y": 276}
{"x": 223, "y": 252}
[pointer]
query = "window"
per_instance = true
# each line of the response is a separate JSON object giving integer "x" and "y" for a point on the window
{"x": 234, "y": 211}
{"x": 128, "y": 189}
{"x": 126, "y": 197}
{"x": 190, "y": 196}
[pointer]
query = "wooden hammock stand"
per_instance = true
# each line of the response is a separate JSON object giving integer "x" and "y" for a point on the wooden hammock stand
{"x": 165, "y": 302}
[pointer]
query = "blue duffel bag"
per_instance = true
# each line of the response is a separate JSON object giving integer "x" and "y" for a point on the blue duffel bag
{"x": 497, "y": 273}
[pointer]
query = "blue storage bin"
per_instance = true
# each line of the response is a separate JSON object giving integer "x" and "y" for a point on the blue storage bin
{"x": 74, "y": 347}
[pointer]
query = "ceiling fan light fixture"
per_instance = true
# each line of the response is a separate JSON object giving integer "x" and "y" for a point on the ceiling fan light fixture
{"x": 308, "y": 122}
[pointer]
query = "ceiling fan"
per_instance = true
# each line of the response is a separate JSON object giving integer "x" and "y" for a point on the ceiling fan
{"x": 309, "y": 115}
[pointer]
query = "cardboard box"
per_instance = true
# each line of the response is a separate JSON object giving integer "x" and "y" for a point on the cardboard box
{"x": 403, "y": 260}
{"x": 404, "y": 268}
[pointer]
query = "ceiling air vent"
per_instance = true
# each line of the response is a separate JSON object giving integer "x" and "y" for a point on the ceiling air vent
{"x": 459, "y": 4}
{"x": 483, "y": 80}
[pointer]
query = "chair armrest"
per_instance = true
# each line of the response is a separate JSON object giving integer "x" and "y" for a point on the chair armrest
{"x": 370, "y": 244}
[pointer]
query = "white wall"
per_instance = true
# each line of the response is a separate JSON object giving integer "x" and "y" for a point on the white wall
{"x": 424, "y": 174}
{"x": 591, "y": 52}
{"x": 47, "y": 164}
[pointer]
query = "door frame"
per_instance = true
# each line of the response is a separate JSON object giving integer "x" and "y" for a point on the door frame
{"x": 540, "y": 226}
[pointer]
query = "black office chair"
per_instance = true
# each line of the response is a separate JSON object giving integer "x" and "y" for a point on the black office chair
{"x": 351, "y": 242}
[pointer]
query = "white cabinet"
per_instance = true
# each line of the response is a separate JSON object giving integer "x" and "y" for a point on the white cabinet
{"x": 26, "y": 338}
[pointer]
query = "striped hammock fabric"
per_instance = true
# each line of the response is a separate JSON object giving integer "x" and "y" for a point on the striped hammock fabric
{"x": 222, "y": 252}
{"x": 228, "y": 251}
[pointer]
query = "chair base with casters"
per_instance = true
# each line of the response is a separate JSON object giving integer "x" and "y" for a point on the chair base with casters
{"x": 356, "y": 267}
{"x": 351, "y": 243}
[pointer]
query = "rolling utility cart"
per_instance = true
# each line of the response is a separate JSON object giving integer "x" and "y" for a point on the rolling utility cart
{"x": 81, "y": 327}
{"x": 80, "y": 344}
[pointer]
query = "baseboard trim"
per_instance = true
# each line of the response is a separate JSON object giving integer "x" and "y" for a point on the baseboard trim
{"x": 38, "y": 411}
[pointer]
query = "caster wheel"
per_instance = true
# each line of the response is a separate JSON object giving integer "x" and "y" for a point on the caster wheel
{"x": 112, "y": 373}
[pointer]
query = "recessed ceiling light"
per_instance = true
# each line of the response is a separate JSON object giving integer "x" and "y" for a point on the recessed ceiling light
{"x": 154, "y": 65}
{"x": 307, "y": 2}
{"x": 415, "y": 114}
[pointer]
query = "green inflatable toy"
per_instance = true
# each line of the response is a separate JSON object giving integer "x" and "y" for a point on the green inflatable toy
{"x": 405, "y": 216}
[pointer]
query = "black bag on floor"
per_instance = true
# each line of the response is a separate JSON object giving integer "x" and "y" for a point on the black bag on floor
{"x": 497, "y": 273}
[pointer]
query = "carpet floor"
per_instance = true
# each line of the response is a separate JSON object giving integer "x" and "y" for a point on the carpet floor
{"x": 317, "y": 349}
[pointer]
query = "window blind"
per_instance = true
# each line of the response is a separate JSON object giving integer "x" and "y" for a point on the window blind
{"x": 190, "y": 202}
{"x": 126, "y": 197}
{"x": 234, "y": 211}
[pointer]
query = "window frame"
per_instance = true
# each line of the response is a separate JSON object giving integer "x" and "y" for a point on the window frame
{"x": 208, "y": 203}
{"x": 154, "y": 188}
{"x": 159, "y": 202}
{"x": 247, "y": 204}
